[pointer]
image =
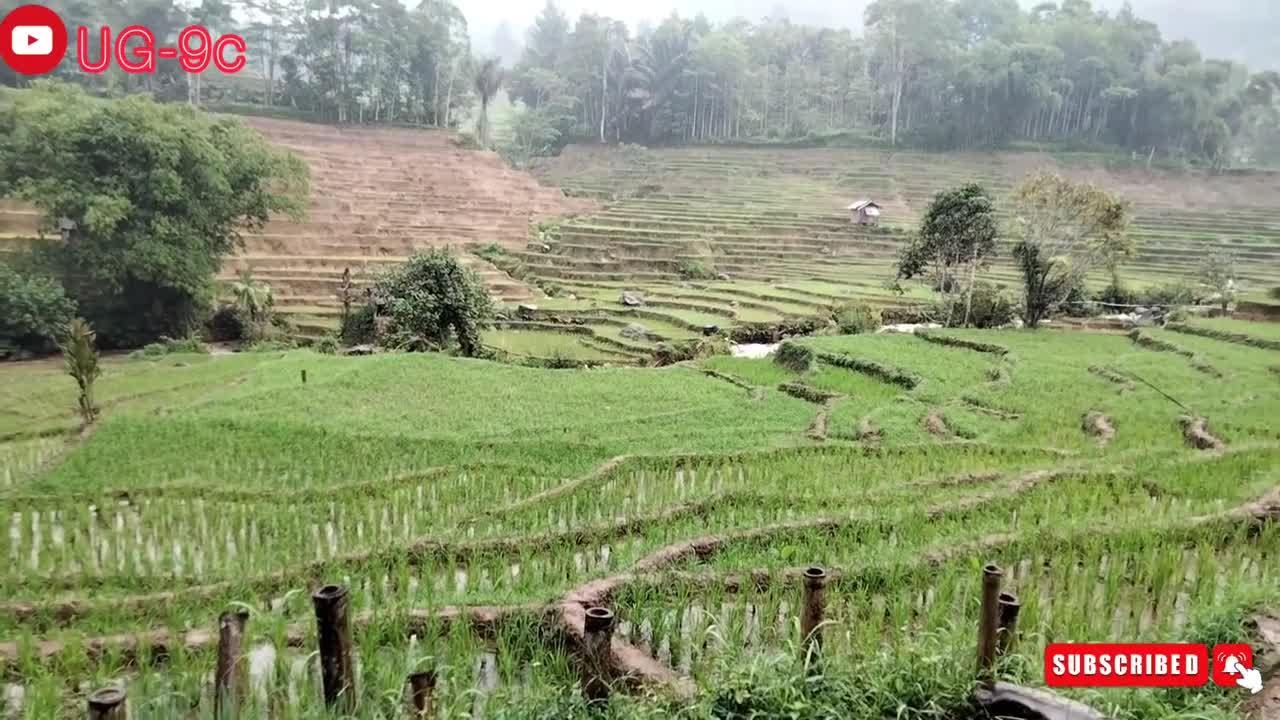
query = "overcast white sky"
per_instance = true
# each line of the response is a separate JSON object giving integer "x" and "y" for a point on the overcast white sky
{"x": 1243, "y": 30}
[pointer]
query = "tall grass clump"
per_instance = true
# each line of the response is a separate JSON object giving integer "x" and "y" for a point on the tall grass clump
{"x": 794, "y": 357}
{"x": 857, "y": 317}
{"x": 82, "y": 365}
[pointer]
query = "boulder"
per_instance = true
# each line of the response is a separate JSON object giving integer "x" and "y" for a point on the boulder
{"x": 631, "y": 299}
{"x": 634, "y": 331}
{"x": 709, "y": 330}
{"x": 526, "y": 310}
{"x": 723, "y": 276}
{"x": 359, "y": 350}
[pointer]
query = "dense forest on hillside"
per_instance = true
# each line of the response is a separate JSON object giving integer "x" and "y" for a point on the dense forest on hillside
{"x": 935, "y": 74}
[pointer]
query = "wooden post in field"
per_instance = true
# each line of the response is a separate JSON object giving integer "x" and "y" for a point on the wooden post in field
{"x": 597, "y": 655}
{"x": 231, "y": 676}
{"x": 304, "y": 377}
{"x": 1007, "y": 623}
{"x": 337, "y": 672}
{"x": 422, "y": 690}
{"x": 813, "y": 609}
{"x": 108, "y": 704}
{"x": 987, "y": 622}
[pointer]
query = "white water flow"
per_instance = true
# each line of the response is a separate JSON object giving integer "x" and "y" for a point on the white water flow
{"x": 753, "y": 350}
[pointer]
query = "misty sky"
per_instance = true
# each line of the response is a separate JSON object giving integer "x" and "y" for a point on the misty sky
{"x": 1243, "y": 30}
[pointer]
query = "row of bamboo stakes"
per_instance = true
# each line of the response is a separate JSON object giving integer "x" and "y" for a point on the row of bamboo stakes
{"x": 997, "y": 628}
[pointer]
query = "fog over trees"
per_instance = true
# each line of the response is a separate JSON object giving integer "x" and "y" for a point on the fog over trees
{"x": 933, "y": 74}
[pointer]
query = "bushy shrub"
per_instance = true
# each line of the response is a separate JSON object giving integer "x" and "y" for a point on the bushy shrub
{"x": 277, "y": 328}
{"x": 35, "y": 312}
{"x": 857, "y": 317}
{"x": 794, "y": 357}
{"x": 227, "y": 324}
{"x": 491, "y": 251}
{"x": 432, "y": 299}
{"x": 991, "y": 308}
{"x": 559, "y": 361}
{"x": 360, "y": 326}
{"x": 327, "y": 345}
{"x": 1274, "y": 294}
{"x": 276, "y": 344}
{"x": 1076, "y": 303}
{"x": 1116, "y": 294}
{"x": 1175, "y": 293}
{"x": 669, "y": 353}
{"x": 695, "y": 269}
{"x": 167, "y": 346}
{"x": 911, "y": 314}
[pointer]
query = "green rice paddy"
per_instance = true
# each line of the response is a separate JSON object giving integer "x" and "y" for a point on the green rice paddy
{"x": 424, "y": 482}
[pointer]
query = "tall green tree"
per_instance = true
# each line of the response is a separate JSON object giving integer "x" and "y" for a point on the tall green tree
{"x": 1064, "y": 230}
{"x": 1217, "y": 273}
{"x": 488, "y": 81}
{"x": 149, "y": 199}
{"x": 957, "y": 236}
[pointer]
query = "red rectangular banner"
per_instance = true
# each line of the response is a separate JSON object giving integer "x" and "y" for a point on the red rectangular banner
{"x": 1126, "y": 665}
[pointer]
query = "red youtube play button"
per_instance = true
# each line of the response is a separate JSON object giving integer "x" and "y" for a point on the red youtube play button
{"x": 33, "y": 40}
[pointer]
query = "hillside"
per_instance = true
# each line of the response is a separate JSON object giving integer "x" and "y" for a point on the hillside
{"x": 743, "y": 200}
{"x": 727, "y": 236}
{"x": 710, "y": 236}
{"x": 378, "y": 194}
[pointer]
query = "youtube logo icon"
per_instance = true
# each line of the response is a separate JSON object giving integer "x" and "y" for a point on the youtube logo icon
{"x": 33, "y": 40}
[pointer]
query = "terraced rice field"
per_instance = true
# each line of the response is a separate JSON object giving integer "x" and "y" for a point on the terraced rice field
{"x": 773, "y": 222}
{"x": 769, "y": 226}
{"x": 474, "y": 509}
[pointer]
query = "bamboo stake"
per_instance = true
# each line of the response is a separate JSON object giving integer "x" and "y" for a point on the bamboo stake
{"x": 230, "y": 678}
{"x": 336, "y": 669}
{"x": 813, "y": 608}
{"x": 108, "y": 704}
{"x": 422, "y": 688}
{"x": 597, "y": 654}
{"x": 1007, "y": 625}
{"x": 991, "y": 577}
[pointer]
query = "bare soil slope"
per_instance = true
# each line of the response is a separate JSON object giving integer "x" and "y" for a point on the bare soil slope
{"x": 377, "y": 195}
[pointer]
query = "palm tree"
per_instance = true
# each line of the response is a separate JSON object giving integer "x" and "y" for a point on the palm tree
{"x": 488, "y": 81}
{"x": 253, "y": 297}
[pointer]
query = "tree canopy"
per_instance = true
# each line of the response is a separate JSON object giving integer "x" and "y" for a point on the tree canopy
{"x": 148, "y": 198}
{"x": 433, "y": 299}
{"x": 1064, "y": 230}
{"x": 939, "y": 74}
{"x": 958, "y": 230}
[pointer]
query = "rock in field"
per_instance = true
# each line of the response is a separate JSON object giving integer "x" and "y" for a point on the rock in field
{"x": 631, "y": 299}
{"x": 526, "y": 310}
{"x": 634, "y": 332}
{"x": 359, "y": 350}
